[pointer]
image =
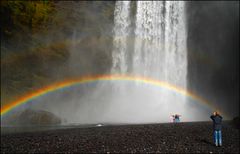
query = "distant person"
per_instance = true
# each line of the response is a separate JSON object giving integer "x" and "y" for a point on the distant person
{"x": 217, "y": 127}
{"x": 176, "y": 118}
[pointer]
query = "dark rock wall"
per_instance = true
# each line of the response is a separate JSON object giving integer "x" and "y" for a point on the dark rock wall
{"x": 213, "y": 52}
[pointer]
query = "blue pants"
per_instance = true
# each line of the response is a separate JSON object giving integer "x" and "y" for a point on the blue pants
{"x": 218, "y": 137}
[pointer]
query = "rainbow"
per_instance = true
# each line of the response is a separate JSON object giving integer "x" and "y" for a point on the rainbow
{"x": 88, "y": 79}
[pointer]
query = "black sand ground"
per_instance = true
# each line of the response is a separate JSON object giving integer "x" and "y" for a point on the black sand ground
{"x": 193, "y": 137}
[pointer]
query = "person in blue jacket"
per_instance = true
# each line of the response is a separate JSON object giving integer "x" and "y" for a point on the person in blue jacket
{"x": 217, "y": 128}
{"x": 176, "y": 118}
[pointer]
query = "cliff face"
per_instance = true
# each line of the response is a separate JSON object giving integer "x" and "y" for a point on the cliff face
{"x": 213, "y": 52}
{"x": 44, "y": 42}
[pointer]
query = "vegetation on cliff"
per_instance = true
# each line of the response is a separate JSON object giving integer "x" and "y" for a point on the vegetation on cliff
{"x": 37, "y": 45}
{"x": 25, "y": 16}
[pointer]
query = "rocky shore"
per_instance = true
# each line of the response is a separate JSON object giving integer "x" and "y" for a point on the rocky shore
{"x": 194, "y": 137}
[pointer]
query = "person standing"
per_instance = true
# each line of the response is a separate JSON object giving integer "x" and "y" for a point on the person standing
{"x": 217, "y": 128}
{"x": 176, "y": 118}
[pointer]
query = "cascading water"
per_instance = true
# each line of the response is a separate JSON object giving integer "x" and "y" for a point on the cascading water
{"x": 175, "y": 43}
{"x": 160, "y": 41}
{"x": 121, "y": 32}
{"x": 160, "y": 50}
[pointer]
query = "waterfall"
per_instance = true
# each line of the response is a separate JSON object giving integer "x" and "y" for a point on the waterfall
{"x": 121, "y": 32}
{"x": 160, "y": 41}
{"x": 175, "y": 43}
{"x": 149, "y": 54}
{"x": 160, "y": 50}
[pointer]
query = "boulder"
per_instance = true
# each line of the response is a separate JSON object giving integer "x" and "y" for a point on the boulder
{"x": 32, "y": 117}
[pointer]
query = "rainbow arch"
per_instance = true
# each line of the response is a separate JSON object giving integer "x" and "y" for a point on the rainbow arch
{"x": 88, "y": 79}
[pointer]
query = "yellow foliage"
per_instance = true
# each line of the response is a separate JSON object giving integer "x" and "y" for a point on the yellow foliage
{"x": 22, "y": 15}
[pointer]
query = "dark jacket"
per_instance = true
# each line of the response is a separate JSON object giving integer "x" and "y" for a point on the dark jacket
{"x": 217, "y": 122}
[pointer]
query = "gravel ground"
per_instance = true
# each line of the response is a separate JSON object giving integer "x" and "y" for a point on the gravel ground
{"x": 195, "y": 137}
